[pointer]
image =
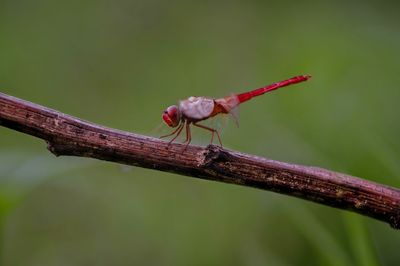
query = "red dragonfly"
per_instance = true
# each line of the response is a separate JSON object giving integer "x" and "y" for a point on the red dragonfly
{"x": 196, "y": 109}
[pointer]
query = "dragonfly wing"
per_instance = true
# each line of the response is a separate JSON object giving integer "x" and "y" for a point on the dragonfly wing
{"x": 234, "y": 113}
{"x": 231, "y": 105}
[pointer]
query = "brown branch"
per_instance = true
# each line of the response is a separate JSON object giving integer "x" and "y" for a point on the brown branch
{"x": 67, "y": 135}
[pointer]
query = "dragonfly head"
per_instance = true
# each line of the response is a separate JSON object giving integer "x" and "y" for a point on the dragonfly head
{"x": 172, "y": 116}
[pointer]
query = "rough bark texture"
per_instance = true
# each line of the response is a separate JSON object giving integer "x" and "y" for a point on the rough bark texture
{"x": 67, "y": 135}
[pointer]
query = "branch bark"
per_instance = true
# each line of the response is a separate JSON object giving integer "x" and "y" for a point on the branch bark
{"x": 67, "y": 135}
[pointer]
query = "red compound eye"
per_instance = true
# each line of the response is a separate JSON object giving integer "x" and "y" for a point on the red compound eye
{"x": 171, "y": 116}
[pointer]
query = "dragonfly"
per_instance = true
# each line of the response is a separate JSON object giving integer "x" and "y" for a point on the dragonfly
{"x": 196, "y": 109}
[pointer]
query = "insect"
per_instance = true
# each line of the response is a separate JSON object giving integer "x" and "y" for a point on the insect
{"x": 195, "y": 109}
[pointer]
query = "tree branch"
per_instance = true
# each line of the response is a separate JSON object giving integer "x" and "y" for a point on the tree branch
{"x": 67, "y": 135}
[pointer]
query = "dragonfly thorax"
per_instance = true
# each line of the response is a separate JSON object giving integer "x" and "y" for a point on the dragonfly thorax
{"x": 197, "y": 108}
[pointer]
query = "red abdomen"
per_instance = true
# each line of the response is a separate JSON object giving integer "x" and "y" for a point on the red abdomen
{"x": 243, "y": 97}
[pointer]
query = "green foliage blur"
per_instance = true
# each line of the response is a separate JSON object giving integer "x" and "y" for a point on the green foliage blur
{"x": 120, "y": 63}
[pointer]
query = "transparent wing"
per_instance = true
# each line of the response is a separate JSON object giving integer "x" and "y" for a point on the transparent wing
{"x": 234, "y": 114}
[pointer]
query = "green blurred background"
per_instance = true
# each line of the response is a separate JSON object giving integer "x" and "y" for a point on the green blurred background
{"x": 120, "y": 63}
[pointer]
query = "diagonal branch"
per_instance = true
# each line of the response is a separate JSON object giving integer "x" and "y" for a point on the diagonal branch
{"x": 67, "y": 135}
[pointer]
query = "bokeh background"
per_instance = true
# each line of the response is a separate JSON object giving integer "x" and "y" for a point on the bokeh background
{"x": 120, "y": 63}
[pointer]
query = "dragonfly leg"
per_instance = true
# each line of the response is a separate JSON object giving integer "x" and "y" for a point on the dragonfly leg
{"x": 173, "y": 132}
{"x": 178, "y": 132}
{"x": 213, "y": 131}
{"x": 188, "y": 135}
